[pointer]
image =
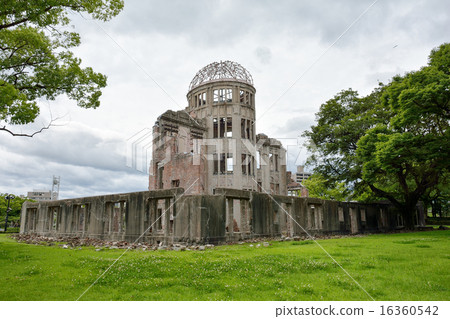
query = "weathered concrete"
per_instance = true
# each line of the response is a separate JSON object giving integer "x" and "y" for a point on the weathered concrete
{"x": 169, "y": 216}
{"x": 212, "y": 143}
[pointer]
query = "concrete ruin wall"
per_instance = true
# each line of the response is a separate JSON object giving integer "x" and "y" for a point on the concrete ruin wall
{"x": 229, "y": 215}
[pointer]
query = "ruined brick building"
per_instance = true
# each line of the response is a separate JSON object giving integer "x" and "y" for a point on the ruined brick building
{"x": 212, "y": 180}
{"x": 212, "y": 143}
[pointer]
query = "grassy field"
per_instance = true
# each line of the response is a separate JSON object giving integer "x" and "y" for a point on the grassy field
{"x": 407, "y": 266}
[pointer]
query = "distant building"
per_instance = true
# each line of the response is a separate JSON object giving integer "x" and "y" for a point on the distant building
{"x": 301, "y": 175}
{"x": 294, "y": 188}
{"x": 40, "y": 195}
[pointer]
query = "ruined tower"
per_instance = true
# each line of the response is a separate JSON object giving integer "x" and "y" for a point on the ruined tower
{"x": 212, "y": 143}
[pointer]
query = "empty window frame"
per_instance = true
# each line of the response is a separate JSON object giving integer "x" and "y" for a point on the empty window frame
{"x": 363, "y": 215}
{"x": 215, "y": 163}
{"x": 244, "y": 164}
{"x": 124, "y": 217}
{"x": 242, "y": 128}
{"x": 222, "y": 95}
{"x": 175, "y": 183}
{"x": 228, "y": 95}
{"x": 222, "y": 163}
{"x": 248, "y": 130}
{"x": 54, "y": 218}
{"x": 276, "y": 162}
{"x": 230, "y": 165}
{"x": 229, "y": 132}
{"x": 222, "y": 127}
{"x": 245, "y": 97}
{"x": 81, "y": 219}
{"x": 200, "y": 99}
{"x": 159, "y": 218}
{"x": 31, "y": 219}
{"x": 250, "y": 165}
{"x": 118, "y": 217}
{"x": 225, "y": 164}
{"x": 312, "y": 217}
{"x": 86, "y": 216}
{"x": 215, "y": 128}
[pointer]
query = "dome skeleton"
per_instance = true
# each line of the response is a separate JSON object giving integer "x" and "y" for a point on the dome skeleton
{"x": 218, "y": 71}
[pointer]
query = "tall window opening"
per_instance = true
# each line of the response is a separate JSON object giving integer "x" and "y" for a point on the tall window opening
{"x": 230, "y": 163}
{"x": 244, "y": 164}
{"x": 222, "y": 127}
{"x": 215, "y": 128}
{"x": 247, "y": 131}
{"x": 216, "y": 163}
{"x": 229, "y": 127}
{"x": 222, "y": 163}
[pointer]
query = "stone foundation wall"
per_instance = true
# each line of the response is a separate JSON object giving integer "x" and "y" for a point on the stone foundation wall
{"x": 230, "y": 215}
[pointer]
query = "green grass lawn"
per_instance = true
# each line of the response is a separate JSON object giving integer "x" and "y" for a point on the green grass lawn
{"x": 407, "y": 266}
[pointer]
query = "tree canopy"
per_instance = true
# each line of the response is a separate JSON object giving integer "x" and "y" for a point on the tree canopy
{"x": 35, "y": 57}
{"x": 393, "y": 143}
{"x": 15, "y": 205}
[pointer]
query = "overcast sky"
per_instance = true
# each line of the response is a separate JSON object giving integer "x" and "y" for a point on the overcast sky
{"x": 300, "y": 54}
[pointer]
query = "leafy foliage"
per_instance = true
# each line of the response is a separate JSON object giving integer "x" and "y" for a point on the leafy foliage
{"x": 15, "y": 205}
{"x": 319, "y": 187}
{"x": 35, "y": 57}
{"x": 341, "y": 122}
{"x": 394, "y": 142}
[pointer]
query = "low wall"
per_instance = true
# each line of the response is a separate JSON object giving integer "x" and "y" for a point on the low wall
{"x": 230, "y": 215}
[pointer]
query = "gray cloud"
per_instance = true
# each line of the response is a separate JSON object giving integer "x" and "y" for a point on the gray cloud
{"x": 89, "y": 161}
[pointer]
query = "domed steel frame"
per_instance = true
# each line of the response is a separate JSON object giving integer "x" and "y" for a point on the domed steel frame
{"x": 219, "y": 71}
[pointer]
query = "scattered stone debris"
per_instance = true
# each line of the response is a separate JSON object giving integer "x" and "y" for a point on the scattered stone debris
{"x": 99, "y": 245}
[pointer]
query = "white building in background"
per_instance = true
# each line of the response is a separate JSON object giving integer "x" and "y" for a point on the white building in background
{"x": 40, "y": 195}
{"x": 301, "y": 175}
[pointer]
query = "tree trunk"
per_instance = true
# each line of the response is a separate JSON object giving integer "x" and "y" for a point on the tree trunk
{"x": 408, "y": 212}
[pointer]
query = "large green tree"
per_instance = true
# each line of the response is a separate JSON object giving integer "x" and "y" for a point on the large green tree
{"x": 36, "y": 61}
{"x": 393, "y": 143}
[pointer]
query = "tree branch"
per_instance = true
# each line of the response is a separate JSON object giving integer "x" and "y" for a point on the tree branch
{"x": 384, "y": 194}
{"x": 27, "y": 18}
{"x": 50, "y": 124}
